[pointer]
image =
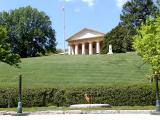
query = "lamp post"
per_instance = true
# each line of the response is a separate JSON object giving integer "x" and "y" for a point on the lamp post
{"x": 19, "y": 108}
{"x": 156, "y": 77}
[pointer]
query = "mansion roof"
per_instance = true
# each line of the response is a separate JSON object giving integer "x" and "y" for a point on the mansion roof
{"x": 85, "y": 34}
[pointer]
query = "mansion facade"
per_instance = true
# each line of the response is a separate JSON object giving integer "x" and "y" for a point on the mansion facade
{"x": 85, "y": 42}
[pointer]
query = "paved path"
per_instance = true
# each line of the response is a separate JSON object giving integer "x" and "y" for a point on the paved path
{"x": 84, "y": 117}
{"x": 52, "y": 112}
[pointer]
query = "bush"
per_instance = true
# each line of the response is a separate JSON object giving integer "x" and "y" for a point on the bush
{"x": 116, "y": 96}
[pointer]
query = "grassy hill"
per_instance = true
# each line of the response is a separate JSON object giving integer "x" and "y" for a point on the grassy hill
{"x": 74, "y": 71}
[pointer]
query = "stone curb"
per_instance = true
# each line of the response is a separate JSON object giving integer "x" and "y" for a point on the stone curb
{"x": 79, "y": 112}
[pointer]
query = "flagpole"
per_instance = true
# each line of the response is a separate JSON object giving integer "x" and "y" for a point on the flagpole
{"x": 64, "y": 27}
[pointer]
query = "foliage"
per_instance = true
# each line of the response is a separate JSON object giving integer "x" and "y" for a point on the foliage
{"x": 120, "y": 39}
{"x": 6, "y": 54}
{"x": 158, "y": 4}
{"x": 135, "y": 12}
{"x": 29, "y": 31}
{"x": 115, "y": 96}
{"x": 147, "y": 43}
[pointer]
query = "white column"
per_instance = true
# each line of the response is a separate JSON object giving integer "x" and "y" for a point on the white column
{"x": 76, "y": 49}
{"x": 83, "y": 49}
{"x": 72, "y": 50}
{"x": 98, "y": 47}
{"x": 90, "y": 48}
{"x": 69, "y": 50}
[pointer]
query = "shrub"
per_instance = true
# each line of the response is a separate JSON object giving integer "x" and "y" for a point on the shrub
{"x": 116, "y": 96}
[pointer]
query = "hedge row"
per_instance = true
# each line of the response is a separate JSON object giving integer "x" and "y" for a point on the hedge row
{"x": 116, "y": 96}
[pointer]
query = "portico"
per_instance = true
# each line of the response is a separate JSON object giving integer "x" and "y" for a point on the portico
{"x": 85, "y": 42}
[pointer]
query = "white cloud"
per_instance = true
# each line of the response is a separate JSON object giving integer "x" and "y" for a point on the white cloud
{"x": 89, "y": 2}
{"x": 120, "y": 3}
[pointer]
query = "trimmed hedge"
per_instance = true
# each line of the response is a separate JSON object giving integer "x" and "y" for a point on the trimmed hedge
{"x": 116, "y": 96}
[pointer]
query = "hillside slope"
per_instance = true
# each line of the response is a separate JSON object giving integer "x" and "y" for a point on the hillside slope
{"x": 73, "y": 71}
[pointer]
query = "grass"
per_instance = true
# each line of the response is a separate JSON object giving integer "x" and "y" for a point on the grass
{"x": 36, "y": 109}
{"x": 76, "y": 71}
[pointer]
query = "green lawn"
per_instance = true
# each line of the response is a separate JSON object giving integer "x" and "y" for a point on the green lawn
{"x": 76, "y": 71}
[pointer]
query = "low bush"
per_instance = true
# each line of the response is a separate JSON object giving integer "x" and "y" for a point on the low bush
{"x": 115, "y": 95}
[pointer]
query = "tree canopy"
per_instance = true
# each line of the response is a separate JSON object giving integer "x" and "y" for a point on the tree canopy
{"x": 158, "y": 2}
{"x": 135, "y": 12}
{"x": 29, "y": 31}
{"x": 6, "y": 54}
{"x": 120, "y": 40}
{"x": 147, "y": 43}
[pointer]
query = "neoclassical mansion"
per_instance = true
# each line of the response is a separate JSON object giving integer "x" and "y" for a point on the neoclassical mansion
{"x": 85, "y": 42}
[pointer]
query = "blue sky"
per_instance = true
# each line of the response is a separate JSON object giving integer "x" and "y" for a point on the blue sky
{"x": 100, "y": 15}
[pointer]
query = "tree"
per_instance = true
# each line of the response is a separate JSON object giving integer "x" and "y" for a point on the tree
{"x": 147, "y": 43}
{"x": 6, "y": 54}
{"x": 135, "y": 12}
{"x": 120, "y": 40}
{"x": 158, "y": 3}
{"x": 30, "y": 32}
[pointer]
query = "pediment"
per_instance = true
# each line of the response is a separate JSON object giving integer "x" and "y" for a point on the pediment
{"x": 85, "y": 34}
